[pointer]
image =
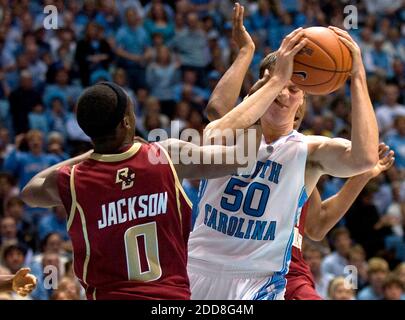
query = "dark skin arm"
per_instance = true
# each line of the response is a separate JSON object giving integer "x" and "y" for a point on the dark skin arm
{"x": 226, "y": 92}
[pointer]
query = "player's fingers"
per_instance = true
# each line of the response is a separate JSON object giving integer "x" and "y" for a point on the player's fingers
{"x": 391, "y": 162}
{"x": 33, "y": 279}
{"x": 287, "y": 39}
{"x": 294, "y": 40}
{"x": 341, "y": 32}
{"x": 293, "y": 33}
{"x": 347, "y": 43}
{"x": 241, "y": 14}
{"x": 381, "y": 145}
{"x": 23, "y": 272}
{"x": 383, "y": 150}
{"x": 29, "y": 287}
{"x": 388, "y": 158}
{"x": 299, "y": 46}
{"x": 235, "y": 14}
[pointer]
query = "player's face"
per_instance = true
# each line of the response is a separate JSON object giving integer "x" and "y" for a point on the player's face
{"x": 299, "y": 116}
{"x": 284, "y": 108}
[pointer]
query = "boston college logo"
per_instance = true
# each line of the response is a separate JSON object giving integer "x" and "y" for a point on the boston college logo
{"x": 126, "y": 177}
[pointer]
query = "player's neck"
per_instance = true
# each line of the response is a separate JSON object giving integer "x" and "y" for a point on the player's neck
{"x": 112, "y": 147}
{"x": 273, "y": 133}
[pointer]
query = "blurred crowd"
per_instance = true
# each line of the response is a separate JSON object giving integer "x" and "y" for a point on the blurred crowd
{"x": 169, "y": 55}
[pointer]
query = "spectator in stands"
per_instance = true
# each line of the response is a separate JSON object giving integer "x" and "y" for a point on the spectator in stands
{"x": 387, "y": 112}
{"x": 192, "y": 46}
{"x": 393, "y": 288}
{"x": 26, "y": 164}
{"x": 335, "y": 262}
{"x": 357, "y": 258}
{"x": 365, "y": 224}
{"x": 313, "y": 257}
{"x": 8, "y": 190}
{"x": 162, "y": 77}
{"x": 14, "y": 257}
{"x": 26, "y": 234}
{"x": 48, "y": 274}
{"x": 37, "y": 119}
{"x": 22, "y": 101}
{"x": 396, "y": 141}
{"x": 158, "y": 21}
{"x": 339, "y": 290}
{"x": 377, "y": 272}
{"x": 55, "y": 221}
{"x": 92, "y": 53}
{"x": 131, "y": 43}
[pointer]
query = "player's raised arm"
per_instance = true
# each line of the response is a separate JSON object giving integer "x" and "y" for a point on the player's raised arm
{"x": 252, "y": 109}
{"x": 337, "y": 157}
{"x": 323, "y": 216}
{"x": 226, "y": 92}
{"x": 214, "y": 161}
{"x": 42, "y": 191}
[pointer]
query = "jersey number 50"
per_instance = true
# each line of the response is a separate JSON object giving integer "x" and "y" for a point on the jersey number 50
{"x": 232, "y": 192}
{"x": 142, "y": 250}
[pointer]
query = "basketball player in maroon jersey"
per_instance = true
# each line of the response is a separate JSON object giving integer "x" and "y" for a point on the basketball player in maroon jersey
{"x": 129, "y": 218}
{"x": 317, "y": 218}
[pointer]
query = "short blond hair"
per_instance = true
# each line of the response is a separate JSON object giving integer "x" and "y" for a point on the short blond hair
{"x": 377, "y": 264}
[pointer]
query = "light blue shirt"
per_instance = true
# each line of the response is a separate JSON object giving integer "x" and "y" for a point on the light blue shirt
{"x": 25, "y": 165}
{"x": 334, "y": 264}
{"x": 133, "y": 40}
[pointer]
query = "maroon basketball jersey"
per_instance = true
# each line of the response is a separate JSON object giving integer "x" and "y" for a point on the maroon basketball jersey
{"x": 298, "y": 267}
{"x": 129, "y": 220}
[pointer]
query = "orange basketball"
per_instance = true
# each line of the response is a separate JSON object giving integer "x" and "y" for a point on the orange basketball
{"x": 324, "y": 64}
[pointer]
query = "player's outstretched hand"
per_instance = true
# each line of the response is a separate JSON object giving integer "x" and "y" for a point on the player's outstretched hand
{"x": 290, "y": 46}
{"x": 344, "y": 36}
{"x": 23, "y": 282}
{"x": 239, "y": 34}
{"x": 386, "y": 160}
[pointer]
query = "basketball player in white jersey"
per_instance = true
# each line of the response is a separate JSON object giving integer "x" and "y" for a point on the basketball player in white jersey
{"x": 241, "y": 244}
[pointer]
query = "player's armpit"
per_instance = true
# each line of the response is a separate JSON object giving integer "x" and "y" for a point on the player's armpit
{"x": 335, "y": 157}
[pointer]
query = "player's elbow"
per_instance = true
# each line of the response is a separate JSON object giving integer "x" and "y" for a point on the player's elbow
{"x": 317, "y": 229}
{"x": 26, "y": 195}
{"x": 212, "y": 110}
{"x": 366, "y": 162}
{"x": 315, "y": 233}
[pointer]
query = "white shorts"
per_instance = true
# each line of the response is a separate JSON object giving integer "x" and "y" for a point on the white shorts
{"x": 210, "y": 282}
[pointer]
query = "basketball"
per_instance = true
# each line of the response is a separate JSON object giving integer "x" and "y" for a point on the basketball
{"x": 324, "y": 64}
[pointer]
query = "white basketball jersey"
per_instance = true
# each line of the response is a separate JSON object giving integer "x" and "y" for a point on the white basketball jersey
{"x": 246, "y": 222}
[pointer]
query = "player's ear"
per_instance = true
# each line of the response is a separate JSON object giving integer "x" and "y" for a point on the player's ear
{"x": 126, "y": 122}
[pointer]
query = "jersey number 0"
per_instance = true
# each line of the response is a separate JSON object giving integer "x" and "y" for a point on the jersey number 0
{"x": 141, "y": 243}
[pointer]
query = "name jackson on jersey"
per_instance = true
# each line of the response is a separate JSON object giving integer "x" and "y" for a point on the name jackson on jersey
{"x": 128, "y": 209}
{"x": 253, "y": 203}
